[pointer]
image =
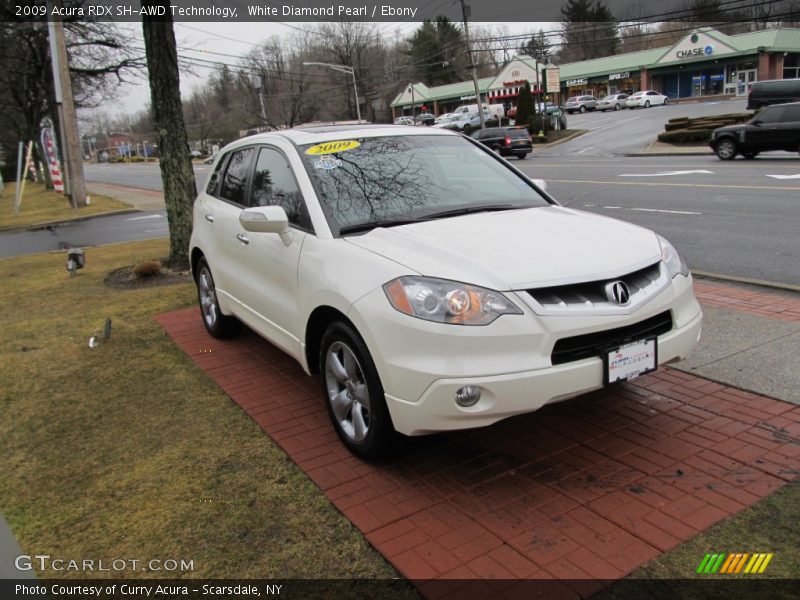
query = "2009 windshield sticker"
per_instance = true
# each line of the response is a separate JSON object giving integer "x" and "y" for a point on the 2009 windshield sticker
{"x": 327, "y": 162}
{"x": 333, "y": 147}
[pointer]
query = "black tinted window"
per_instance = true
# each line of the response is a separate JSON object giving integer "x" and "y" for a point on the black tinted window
{"x": 792, "y": 113}
{"x": 274, "y": 185}
{"x": 772, "y": 114}
{"x": 234, "y": 183}
{"x": 516, "y": 134}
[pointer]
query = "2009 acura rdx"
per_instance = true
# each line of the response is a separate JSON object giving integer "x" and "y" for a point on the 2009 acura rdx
{"x": 431, "y": 284}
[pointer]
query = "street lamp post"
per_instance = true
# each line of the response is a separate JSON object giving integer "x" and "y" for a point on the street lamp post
{"x": 343, "y": 69}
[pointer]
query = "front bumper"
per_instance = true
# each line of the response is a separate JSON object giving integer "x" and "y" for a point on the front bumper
{"x": 422, "y": 364}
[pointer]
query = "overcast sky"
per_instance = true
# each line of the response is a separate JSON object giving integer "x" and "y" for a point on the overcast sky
{"x": 238, "y": 39}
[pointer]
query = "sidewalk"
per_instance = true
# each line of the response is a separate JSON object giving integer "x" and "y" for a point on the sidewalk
{"x": 140, "y": 199}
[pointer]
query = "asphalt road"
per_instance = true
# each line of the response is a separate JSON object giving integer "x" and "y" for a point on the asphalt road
{"x": 146, "y": 176}
{"x": 631, "y": 130}
{"x": 90, "y": 232}
{"x": 730, "y": 218}
{"x": 739, "y": 218}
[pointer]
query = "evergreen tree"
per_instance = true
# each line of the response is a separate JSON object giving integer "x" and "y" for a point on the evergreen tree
{"x": 588, "y": 30}
{"x": 538, "y": 47}
{"x": 437, "y": 52}
{"x": 525, "y": 106}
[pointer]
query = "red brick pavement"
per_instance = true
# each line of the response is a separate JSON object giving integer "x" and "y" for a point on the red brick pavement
{"x": 584, "y": 489}
{"x": 767, "y": 304}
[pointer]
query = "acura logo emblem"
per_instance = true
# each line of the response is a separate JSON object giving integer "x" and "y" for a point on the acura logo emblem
{"x": 617, "y": 291}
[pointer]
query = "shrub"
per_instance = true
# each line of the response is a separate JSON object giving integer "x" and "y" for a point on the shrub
{"x": 685, "y": 136}
{"x": 675, "y": 126}
{"x": 147, "y": 268}
{"x": 678, "y": 120}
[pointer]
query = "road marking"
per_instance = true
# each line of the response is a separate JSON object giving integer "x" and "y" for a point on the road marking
{"x": 585, "y": 149}
{"x": 665, "y": 184}
{"x": 655, "y": 210}
{"x": 784, "y": 176}
{"x": 667, "y": 173}
{"x": 145, "y": 217}
{"x": 615, "y": 124}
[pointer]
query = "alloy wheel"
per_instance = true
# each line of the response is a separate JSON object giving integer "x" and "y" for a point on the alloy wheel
{"x": 347, "y": 389}
{"x": 208, "y": 297}
{"x": 726, "y": 149}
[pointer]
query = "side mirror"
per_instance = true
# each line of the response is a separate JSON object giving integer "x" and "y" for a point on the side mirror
{"x": 756, "y": 122}
{"x": 264, "y": 219}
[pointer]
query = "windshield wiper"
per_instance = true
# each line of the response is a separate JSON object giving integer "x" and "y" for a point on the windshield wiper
{"x": 472, "y": 209}
{"x": 380, "y": 223}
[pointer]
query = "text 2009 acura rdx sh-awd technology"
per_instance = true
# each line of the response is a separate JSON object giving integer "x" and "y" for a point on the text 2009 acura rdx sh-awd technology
{"x": 431, "y": 284}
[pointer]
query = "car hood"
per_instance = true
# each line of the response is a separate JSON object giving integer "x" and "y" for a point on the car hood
{"x": 517, "y": 249}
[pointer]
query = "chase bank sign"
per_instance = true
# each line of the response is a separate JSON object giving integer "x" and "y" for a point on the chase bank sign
{"x": 695, "y": 52}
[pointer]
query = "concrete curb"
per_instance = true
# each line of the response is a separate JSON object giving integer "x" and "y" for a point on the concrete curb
{"x": 673, "y": 151}
{"x": 786, "y": 287}
{"x": 46, "y": 224}
{"x": 578, "y": 133}
{"x": 9, "y": 550}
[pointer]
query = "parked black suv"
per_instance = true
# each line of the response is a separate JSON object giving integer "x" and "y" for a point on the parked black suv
{"x": 774, "y": 128}
{"x": 506, "y": 141}
{"x": 777, "y": 91}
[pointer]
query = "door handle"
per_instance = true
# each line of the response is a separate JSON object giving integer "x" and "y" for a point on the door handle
{"x": 243, "y": 238}
{"x": 210, "y": 218}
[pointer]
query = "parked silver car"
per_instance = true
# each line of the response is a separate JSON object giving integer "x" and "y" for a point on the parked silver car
{"x": 580, "y": 104}
{"x": 612, "y": 102}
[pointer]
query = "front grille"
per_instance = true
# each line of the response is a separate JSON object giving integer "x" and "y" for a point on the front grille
{"x": 592, "y": 294}
{"x": 593, "y": 344}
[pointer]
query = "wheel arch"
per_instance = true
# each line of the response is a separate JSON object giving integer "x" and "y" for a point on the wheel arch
{"x": 194, "y": 259}
{"x": 318, "y": 321}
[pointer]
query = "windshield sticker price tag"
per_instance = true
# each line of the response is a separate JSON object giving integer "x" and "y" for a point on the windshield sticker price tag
{"x": 333, "y": 147}
{"x": 327, "y": 162}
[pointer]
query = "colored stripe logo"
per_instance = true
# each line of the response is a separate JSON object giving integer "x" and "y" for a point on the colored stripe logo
{"x": 734, "y": 563}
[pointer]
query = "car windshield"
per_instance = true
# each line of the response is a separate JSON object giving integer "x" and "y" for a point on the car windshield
{"x": 399, "y": 179}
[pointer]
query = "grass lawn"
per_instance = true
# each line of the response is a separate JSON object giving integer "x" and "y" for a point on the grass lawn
{"x": 40, "y": 205}
{"x": 129, "y": 451}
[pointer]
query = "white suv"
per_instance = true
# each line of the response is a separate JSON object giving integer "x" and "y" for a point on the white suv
{"x": 431, "y": 284}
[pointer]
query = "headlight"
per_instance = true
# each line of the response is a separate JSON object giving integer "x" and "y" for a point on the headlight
{"x": 675, "y": 264}
{"x": 446, "y": 301}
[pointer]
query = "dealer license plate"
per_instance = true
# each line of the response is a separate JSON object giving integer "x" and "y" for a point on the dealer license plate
{"x": 630, "y": 360}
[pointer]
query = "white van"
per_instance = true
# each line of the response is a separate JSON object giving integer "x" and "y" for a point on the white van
{"x": 496, "y": 110}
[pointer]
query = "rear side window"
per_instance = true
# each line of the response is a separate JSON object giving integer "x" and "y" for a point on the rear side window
{"x": 234, "y": 183}
{"x": 517, "y": 134}
{"x": 213, "y": 181}
{"x": 791, "y": 114}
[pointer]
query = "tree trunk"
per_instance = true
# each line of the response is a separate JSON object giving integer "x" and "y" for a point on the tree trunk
{"x": 177, "y": 174}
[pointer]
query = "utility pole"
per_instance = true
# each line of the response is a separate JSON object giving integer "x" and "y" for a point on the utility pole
{"x": 67, "y": 119}
{"x": 465, "y": 12}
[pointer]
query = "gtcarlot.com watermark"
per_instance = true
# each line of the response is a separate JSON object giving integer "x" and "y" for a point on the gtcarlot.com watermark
{"x": 46, "y": 562}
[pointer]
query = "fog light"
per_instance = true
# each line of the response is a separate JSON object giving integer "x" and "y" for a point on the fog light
{"x": 468, "y": 395}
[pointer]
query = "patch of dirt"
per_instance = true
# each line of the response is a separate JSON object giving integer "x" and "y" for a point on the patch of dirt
{"x": 126, "y": 279}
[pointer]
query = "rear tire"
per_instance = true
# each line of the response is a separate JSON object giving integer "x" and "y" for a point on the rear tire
{"x": 521, "y": 156}
{"x": 647, "y": 103}
{"x": 354, "y": 394}
{"x": 726, "y": 149}
{"x": 616, "y": 107}
{"x": 218, "y": 325}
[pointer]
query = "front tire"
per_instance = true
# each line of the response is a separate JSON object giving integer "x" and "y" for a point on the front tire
{"x": 218, "y": 325}
{"x": 726, "y": 149}
{"x": 749, "y": 155}
{"x": 354, "y": 394}
{"x": 666, "y": 101}
{"x": 583, "y": 109}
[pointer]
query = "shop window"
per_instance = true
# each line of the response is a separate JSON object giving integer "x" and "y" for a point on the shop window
{"x": 791, "y": 66}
